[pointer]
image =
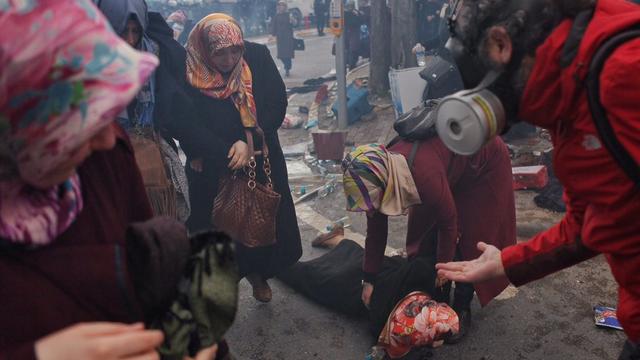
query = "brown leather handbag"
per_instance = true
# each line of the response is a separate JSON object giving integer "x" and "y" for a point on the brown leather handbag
{"x": 244, "y": 208}
{"x": 158, "y": 185}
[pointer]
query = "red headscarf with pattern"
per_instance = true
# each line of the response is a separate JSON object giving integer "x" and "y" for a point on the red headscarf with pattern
{"x": 215, "y": 32}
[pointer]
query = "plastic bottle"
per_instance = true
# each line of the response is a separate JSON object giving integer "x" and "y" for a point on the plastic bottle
{"x": 420, "y": 54}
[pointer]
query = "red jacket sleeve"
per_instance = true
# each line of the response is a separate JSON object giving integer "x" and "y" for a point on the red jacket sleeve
{"x": 555, "y": 249}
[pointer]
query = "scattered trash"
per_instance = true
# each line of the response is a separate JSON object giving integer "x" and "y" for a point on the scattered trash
{"x": 606, "y": 317}
{"x": 303, "y": 110}
{"x": 322, "y": 94}
{"x": 294, "y": 151}
{"x": 529, "y": 177}
{"x": 292, "y": 121}
{"x": 319, "y": 80}
{"x": 357, "y": 103}
{"x": 328, "y": 188}
{"x": 303, "y": 89}
{"x": 376, "y": 353}
{"x": 311, "y": 124}
{"x": 406, "y": 88}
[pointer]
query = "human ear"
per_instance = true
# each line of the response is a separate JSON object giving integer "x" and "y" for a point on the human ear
{"x": 498, "y": 45}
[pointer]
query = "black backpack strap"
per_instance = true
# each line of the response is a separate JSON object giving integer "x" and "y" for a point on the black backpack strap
{"x": 599, "y": 114}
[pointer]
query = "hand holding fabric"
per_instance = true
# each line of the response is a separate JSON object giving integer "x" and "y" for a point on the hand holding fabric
{"x": 488, "y": 266}
{"x": 205, "y": 354}
{"x": 100, "y": 340}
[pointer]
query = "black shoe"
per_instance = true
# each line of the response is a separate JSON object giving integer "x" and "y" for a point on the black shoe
{"x": 464, "y": 317}
{"x": 630, "y": 351}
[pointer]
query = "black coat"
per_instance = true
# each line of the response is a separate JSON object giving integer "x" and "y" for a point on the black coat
{"x": 210, "y": 134}
{"x": 282, "y": 29}
{"x": 173, "y": 104}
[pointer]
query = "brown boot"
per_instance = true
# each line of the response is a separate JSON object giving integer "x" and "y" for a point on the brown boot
{"x": 261, "y": 288}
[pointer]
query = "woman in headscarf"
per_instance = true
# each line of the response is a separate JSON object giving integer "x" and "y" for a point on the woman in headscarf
{"x": 69, "y": 187}
{"x": 453, "y": 202}
{"x": 163, "y": 101}
{"x": 69, "y": 183}
{"x": 282, "y": 29}
{"x": 237, "y": 88}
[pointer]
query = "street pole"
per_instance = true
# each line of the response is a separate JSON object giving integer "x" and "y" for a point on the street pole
{"x": 337, "y": 28}
{"x": 341, "y": 78}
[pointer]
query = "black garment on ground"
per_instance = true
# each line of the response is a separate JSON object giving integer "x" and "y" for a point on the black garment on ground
{"x": 209, "y": 136}
{"x": 334, "y": 280}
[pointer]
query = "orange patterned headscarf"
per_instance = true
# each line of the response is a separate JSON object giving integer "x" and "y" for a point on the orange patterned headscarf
{"x": 215, "y": 32}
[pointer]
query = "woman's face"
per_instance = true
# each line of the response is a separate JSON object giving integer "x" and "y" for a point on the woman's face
{"x": 132, "y": 32}
{"x": 281, "y": 8}
{"x": 224, "y": 60}
{"x": 105, "y": 139}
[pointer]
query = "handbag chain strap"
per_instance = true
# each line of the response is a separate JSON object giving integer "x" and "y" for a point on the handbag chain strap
{"x": 266, "y": 164}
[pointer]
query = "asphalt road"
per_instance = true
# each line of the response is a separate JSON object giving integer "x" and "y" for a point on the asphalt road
{"x": 550, "y": 319}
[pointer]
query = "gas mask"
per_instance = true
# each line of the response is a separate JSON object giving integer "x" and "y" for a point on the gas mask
{"x": 470, "y": 118}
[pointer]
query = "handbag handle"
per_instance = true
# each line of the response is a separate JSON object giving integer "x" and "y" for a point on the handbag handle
{"x": 266, "y": 164}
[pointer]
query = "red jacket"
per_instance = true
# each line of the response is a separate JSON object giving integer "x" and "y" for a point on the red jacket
{"x": 603, "y": 208}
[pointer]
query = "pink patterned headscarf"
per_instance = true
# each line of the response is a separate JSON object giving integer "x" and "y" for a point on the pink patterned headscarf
{"x": 64, "y": 76}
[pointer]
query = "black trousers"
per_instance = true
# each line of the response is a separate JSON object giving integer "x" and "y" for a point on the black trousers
{"x": 334, "y": 280}
{"x": 321, "y": 21}
{"x": 630, "y": 351}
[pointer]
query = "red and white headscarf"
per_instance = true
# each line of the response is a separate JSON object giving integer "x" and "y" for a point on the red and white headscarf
{"x": 215, "y": 32}
{"x": 65, "y": 76}
{"x": 417, "y": 321}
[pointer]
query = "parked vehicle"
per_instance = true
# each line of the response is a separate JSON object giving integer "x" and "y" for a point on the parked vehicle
{"x": 301, "y": 10}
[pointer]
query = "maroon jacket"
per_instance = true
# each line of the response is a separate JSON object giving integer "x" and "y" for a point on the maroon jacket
{"x": 469, "y": 198}
{"x": 82, "y": 276}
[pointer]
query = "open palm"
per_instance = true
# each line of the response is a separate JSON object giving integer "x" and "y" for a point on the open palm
{"x": 488, "y": 266}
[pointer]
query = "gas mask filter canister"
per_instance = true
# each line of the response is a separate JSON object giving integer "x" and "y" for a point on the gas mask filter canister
{"x": 468, "y": 119}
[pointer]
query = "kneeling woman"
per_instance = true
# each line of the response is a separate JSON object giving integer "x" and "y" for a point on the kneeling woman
{"x": 453, "y": 202}
{"x": 237, "y": 88}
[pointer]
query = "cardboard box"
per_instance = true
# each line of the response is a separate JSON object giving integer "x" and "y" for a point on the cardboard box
{"x": 406, "y": 89}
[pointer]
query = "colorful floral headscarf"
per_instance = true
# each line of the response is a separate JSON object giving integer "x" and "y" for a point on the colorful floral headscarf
{"x": 215, "y": 32}
{"x": 378, "y": 180}
{"x": 417, "y": 321}
{"x": 65, "y": 76}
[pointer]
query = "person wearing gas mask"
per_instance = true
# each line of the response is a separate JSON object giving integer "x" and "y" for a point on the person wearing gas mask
{"x": 553, "y": 64}
{"x": 452, "y": 202}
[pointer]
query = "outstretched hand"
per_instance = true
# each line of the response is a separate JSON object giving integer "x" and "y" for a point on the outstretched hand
{"x": 488, "y": 266}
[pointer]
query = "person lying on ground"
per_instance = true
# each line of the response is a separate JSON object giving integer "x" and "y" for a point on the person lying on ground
{"x": 401, "y": 297}
{"x": 453, "y": 202}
